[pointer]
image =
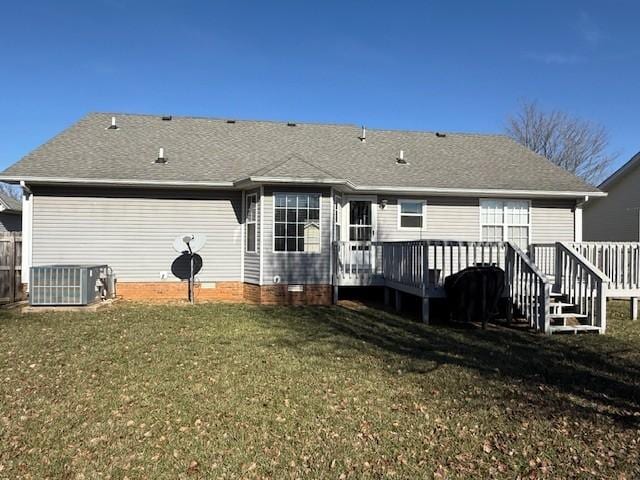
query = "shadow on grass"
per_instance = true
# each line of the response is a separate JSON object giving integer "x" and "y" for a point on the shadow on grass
{"x": 587, "y": 373}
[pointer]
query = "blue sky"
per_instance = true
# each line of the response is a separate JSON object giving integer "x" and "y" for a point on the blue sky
{"x": 420, "y": 65}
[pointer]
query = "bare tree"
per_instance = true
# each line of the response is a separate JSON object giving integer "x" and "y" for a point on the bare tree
{"x": 10, "y": 190}
{"x": 576, "y": 145}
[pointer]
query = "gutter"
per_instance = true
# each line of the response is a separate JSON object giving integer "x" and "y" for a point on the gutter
{"x": 113, "y": 182}
{"x": 343, "y": 185}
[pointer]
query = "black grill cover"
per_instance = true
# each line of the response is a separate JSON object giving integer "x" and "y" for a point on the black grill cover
{"x": 473, "y": 294}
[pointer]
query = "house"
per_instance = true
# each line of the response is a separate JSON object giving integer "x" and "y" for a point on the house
{"x": 616, "y": 217}
{"x": 10, "y": 213}
{"x": 277, "y": 199}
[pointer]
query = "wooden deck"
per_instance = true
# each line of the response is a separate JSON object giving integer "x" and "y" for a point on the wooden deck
{"x": 420, "y": 268}
{"x": 558, "y": 282}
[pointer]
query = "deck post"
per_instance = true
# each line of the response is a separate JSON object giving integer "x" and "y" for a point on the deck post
{"x": 387, "y": 296}
{"x": 335, "y": 293}
{"x": 425, "y": 310}
{"x": 509, "y": 310}
{"x": 634, "y": 308}
{"x": 398, "y": 300}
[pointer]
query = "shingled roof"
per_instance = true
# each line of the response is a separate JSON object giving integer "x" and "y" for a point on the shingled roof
{"x": 205, "y": 150}
{"x": 9, "y": 203}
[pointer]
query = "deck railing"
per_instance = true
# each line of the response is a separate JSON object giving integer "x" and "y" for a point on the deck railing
{"x": 405, "y": 263}
{"x": 544, "y": 257}
{"x": 420, "y": 267}
{"x": 583, "y": 284}
{"x": 529, "y": 288}
{"x": 619, "y": 261}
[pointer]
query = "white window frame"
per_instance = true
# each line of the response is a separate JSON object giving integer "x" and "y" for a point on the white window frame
{"x": 273, "y": 223}
{"x": 337, "y": 213}
{"x": 253, "y": 222}
{"x": 505, "y": 225}
{"x": 423, "y": 214}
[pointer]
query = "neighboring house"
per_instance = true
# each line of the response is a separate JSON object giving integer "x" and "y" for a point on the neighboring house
{"x": 10, "y": 214}
{"x": 617, "y": 216}
{"x": 272, "y": 196}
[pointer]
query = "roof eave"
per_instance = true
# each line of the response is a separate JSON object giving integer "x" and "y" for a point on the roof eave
{"x": 113, "y": 182}
{"x": 618, "y": 173}
{"x": 346, "y": 185}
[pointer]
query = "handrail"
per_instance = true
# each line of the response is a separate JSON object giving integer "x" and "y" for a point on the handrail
{"x": 583, "y": 283}
{"x": 619, "y": 261}
{"x": 529, "y": 288}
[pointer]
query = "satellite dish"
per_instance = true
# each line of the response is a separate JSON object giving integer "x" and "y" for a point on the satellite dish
{"x": 188, "y": 264}
{"x": 189, "y": 242}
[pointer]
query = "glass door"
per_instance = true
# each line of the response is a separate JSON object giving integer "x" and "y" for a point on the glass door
{"x": 360, "y": 221}
{"x": 361, "y": 226}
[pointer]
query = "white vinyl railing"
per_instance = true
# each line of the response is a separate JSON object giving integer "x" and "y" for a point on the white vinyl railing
{"x": 619, "y": 261}
{"x": 583, "y": 284}
{"x": 544, "y": 257}
{"x": 405, "y": 263}
{"x": 529, "y": 288}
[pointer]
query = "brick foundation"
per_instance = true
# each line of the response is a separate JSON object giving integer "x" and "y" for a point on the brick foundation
{"x": 226, "y": 292}
{"x": 171, "y": 291}
{"x": 280, "y": 295}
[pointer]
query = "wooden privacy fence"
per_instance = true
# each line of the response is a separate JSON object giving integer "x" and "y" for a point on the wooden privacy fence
{"x": 11, "y": 267}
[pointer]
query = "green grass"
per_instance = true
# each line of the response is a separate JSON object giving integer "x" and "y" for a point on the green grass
{"x": 229, "y": 391}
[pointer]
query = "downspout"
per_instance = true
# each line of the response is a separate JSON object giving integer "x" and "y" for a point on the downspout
{"x": 577, "y": 219}
{"x": 27, "y": 235}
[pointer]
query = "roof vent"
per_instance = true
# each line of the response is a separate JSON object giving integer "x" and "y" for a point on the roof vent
{"x": 363, "y": 135}
{"x": 291, "y": 124}
{"x": 161, "y": 158}
{"x": 441, "y": 135}
{"x": 401, "y": 160}
{"x": 231, "y": 121}
{"x": 167, "y": 118}
{"x": 113, "y": 125}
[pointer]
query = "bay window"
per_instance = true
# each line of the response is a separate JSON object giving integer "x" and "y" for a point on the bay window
{"x": 296, "y": 222}
{"x": 251, "y": 222}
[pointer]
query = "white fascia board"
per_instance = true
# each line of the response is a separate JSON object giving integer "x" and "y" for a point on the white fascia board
{"x": 345, "y": 185}
{"x": 349, "y": 186}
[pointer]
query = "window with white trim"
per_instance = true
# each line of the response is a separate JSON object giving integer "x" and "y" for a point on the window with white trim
{"x": 506, "y": 220}
{"x": 296, "y": 222}
{"x": 411, "y": 214}
{"x": 251, "y": 222}
{"x": 337, "y": 217}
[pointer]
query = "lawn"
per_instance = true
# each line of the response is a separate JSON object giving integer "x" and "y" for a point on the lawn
{"x": 230, "y": 391}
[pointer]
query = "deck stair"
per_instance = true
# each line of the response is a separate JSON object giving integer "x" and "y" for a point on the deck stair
{"x": 557, "y": 290}
{"x": 564, "y": 317}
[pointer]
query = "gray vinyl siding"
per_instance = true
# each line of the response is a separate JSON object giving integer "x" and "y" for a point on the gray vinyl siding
{"x": 616, "y": 216}
{"x": 296, "y": 267}
{"x": 134, "y": 235}
{"x": 552, "y": 221}
{"x": 10, "y": 222}
{"x": 447, "y": 218}
{"x": 252, "y": 260}
{"x": 458, "y": 218}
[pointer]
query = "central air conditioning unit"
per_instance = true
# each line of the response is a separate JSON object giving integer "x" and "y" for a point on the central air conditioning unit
{"x": 70, "y": 285}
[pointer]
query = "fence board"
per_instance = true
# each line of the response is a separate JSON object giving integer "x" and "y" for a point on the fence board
{"x": 11, "y": 267}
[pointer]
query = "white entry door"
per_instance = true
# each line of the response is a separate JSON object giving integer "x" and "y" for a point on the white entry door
{"x": 361, "y": 226}
{"x": 361, "y": 218}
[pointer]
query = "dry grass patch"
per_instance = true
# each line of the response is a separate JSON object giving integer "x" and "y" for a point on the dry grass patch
{"x": 229, "y": 391}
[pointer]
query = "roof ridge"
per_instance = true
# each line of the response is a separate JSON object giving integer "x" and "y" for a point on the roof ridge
{"x": 284, "y": 122}
{"x": 292, "y": 156}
